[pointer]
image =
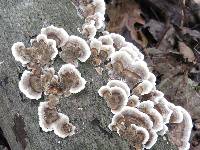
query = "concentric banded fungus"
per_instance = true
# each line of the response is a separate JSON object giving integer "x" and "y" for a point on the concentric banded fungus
{"x": 134, "y": 48}
{"x": 177, "y": 115}
{"x": 121, "y": 84}
{"x": 125, "y": 120}
{"x": 92, "y": 7}
{"x": 43, "y": 50}
{"x": 163, "y": 131}
{"x": 152, "y": 139}
{"x": 135, "y": 135}
{"x": 57, "y": 34}
{"x": 115, "y": 97}
{"x": 75, "y": 49}
{"x": 106, "y": 39}
{"x": 133, "y": 101}
{"x": 62, "y": 127}
{"x": 143, "y": 88}
{"x": 100, "y": 53}
{"x": 124, "y": 67}
{"x": 71, "y": 79}
{"x": 89, "y": 29}
{"x": 163, "y": 108}
{"x": 152, "y": 78}
{"x": 47, "y": 116}
{"x": 118, "y": 40}
{"x": 121, "y": 67}
{"x": 138, "y": 122}
{"x": 132, "y": 53}
{"x": 153, "y": 96}
{"x": 31, "y": 85}
{"x": 147, "y": 107}
{"x": 94, "y": 12}
{"x": 105, "y": 52}
{"x": 98, "y": 18}
{"x": 181, "y": 131}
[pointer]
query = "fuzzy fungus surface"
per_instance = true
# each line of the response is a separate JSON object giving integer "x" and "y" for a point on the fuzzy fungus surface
{"x": 140, "y": 112}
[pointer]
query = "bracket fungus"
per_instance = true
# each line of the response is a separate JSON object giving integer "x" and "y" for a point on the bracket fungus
{"x": 30, "y": 85}
{"x": 71, "y": 79}
{"x": 133, "y": 101}
{"x": 51, "y": 120}
{"x": 125, "y": 123}
{"x": 75, "y": 49}
{"x": 127, "y": 64}
{"x": 141, "y": 112}
{"x": 93, "y": 12}
{"x": 115, "y": 94}
{"x": 41, "y": 52}
{"x": 62, "y": 127}
{"x": 57, "y": 34}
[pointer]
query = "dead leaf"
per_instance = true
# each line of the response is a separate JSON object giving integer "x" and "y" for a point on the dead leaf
{"x": 186, "y": 52}
{"x": 126, "y": 14}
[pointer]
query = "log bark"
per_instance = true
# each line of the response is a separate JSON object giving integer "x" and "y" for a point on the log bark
{"x": 21, "y": 20}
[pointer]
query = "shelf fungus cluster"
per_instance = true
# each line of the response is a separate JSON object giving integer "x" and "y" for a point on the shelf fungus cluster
{"x": 40, "y": 77}
{"x": 93, "y": 11}
{"x": 141, "y": 112}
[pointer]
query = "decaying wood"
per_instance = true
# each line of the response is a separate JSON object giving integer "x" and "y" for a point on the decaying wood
{"x": 21, "y": 20}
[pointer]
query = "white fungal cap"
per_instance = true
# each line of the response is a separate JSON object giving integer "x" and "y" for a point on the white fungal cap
{"x": 98, "y": 18}
{"x": 57, "y": 34}
{"x": 140, "y": 67}
{"x": 49, "y": 42}
{"x": 133, "y": 113}
{"x": 187, "y": 121}
{"x": 152, "y": 139}
{"x": 26, "y": 87}
{"x": 82, "y": 44}
{"x": 69, "y": 68}
{"x": 148, "y": 108}
{"x": 115, "y": 97}
{"x": 106, "y": 39}
{"x": 142, "y": 130}
{"x": 109, "y": 49}
{"x": 134, "y": 48}
{"x": 75, "y": 49}
{"x": 163, "y": 131}
{"x": 152, "y": 78}
{"x": 16, "y": 48}
{"x": 156, "y": 96}
{"x": 132, "y": 53}
{"x": 121, "y": 84}
{"x": 44, "y": 115}
{"x": 99, "y": 6}
{"x": 118, "y": 40}
{"x": 143, "y": 88}
{"x": 62, "y": 127}
{"x": 102, "y": 90}
{"x": 89, "y": 29}
{"x": 163, "y": 108}
{"x": 131, "y": 46}
{"x": 95, "y": 44}
{"x": 123, "y": 57}
{"x": 177, "y": 115}
{"x": 133, "y": 101}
